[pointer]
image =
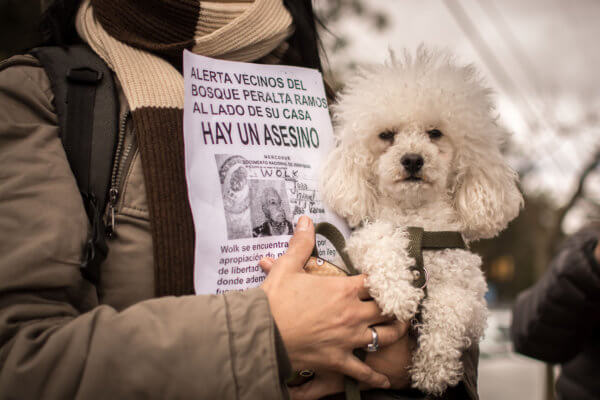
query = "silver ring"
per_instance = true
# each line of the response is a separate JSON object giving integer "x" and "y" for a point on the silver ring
{"x": 374, "y": 345}
{"x": 306, "y": 373}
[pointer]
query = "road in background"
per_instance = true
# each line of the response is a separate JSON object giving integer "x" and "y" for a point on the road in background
{"x": 503, "y": 374}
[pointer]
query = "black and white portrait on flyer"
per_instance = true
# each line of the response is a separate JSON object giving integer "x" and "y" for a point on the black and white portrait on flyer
{"x": 255, "y": 136}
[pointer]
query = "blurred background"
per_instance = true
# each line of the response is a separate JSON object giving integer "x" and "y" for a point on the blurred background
{"x": 541, "y": 59}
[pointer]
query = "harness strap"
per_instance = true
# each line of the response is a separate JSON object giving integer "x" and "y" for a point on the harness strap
{"x": 335, "y": 237}
{"x": 443, "y": 240}
{"x": 85, "y": 101}
{"x": 331, "y": 233}
{"x": 415, "y": 246}
{"x": 420, "y": 239}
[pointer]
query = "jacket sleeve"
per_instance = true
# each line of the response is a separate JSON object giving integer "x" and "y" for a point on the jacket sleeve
{"x": 553, "y": 319}
{"x": 56, "y": 341}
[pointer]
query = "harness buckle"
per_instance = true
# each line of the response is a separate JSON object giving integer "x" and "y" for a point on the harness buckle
{"x": 421, "y": 277}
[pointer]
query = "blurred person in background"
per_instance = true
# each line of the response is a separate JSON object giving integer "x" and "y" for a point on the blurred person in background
{"x": 558, "y": 319}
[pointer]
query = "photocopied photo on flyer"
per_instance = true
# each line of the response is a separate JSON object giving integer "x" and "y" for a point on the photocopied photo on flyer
{"x": 255, "y": 137}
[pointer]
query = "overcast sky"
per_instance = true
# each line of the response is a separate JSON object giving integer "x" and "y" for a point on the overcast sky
{"x": 546, "y": 74}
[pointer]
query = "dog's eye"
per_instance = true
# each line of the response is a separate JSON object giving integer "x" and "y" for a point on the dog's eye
{"x": 435, "y": 134}
{"x": 387, "y": 135}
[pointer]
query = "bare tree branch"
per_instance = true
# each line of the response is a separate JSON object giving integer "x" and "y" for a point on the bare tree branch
{"x": 593, "y": 203}
{"x": 561, "y": 213}
{"x": 579, "y": 191}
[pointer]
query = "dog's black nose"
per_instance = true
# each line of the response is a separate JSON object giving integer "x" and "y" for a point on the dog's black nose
{"x": 412, "y": 163}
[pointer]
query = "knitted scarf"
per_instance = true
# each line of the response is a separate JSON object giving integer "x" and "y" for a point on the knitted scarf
{"x": 142, "y": 41}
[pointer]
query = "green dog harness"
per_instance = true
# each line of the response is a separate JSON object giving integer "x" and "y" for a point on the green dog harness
{"x": 418, "y": 240}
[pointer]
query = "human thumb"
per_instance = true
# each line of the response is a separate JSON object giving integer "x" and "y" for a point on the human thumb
{"x": 301, "y": 245}
{"x": 266, "y": 263}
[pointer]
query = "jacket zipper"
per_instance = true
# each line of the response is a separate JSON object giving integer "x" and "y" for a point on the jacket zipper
{"x": 121, "y": 156}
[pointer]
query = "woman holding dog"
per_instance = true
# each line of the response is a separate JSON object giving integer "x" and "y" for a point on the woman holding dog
{"x": 140, "y": 332}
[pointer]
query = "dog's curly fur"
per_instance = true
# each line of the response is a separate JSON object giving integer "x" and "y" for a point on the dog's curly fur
{"x": 463, "y": 185}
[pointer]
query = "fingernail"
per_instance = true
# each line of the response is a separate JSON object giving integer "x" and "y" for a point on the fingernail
{"x": 386, "y": 384}
{"x": 303, "y": 223}
{"x": 266, "y": 261}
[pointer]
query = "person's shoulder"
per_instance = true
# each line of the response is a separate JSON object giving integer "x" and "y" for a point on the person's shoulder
{"x": 586, "y": 233}
{"x": 24, "y": 73}
{"x": 581, "y": 241}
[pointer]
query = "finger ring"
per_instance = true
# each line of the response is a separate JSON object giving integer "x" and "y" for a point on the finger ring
{"x": 374, "y": 345}
{"x": 306, "y": 373}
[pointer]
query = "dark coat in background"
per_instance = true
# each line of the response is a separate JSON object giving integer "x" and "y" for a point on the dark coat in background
{"x": 558, "y": 319}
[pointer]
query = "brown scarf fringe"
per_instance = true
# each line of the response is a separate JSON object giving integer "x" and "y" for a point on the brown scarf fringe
{"x": 170, "y": 215}
{"x": 162, "y": 27}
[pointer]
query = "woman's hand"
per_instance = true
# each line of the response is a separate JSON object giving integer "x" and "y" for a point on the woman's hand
{"x": 392, "y": 361}
{"x": 321, "y": 319}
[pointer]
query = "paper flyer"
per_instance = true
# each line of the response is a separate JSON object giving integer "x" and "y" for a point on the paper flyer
{"x": 255, "y": 137}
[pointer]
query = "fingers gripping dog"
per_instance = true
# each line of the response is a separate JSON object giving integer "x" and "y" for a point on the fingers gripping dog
{"x": 419, "y": 147}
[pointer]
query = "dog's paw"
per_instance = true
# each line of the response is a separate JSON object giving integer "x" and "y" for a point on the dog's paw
{"x": 380, "y": 245}
{"x": 433, "y": 372}
{"x": 395, "y": 297}
{"x": 379, "y": 250}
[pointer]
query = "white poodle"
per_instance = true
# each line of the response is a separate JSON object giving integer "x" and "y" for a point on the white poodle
{"x": 419, "y": 146}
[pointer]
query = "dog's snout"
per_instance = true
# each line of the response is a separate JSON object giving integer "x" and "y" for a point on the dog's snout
{"x": 412, "y": 163}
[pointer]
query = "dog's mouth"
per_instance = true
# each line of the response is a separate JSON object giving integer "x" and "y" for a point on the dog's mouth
{"x": 412, "y": 179}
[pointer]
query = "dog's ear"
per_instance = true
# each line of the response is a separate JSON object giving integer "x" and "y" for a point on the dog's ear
{"x": 486, "y": 194}
{"x": 346, "y": 184}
